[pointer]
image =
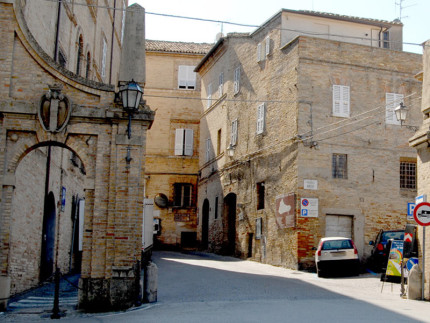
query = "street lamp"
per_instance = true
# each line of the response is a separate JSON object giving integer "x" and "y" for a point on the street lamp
{"x": 401, "y": 113}
{"x": 230, "y": 150}
{"x": 131, "y": 93}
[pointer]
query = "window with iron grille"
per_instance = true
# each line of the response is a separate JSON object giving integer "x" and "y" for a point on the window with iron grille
{"x": 183, "y": 194}
{"x": 408, "y": 175}
{"x": 339, "y": 166}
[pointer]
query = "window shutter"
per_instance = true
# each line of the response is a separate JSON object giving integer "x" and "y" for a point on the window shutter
{"x": 236, "y": 80}
{"x": 191, "y": 77}
{"x": 104, "y": 53}
{"x": 341, "y": 105}
{"x": 179, "y": 142}
{"x": 259, "y": 53}
{"x": 221, "y": 84}
{"x": 261, "y": 114}
{"x": 188, "y": 142}
{"x": 392, "y": 100}
{"x": 267, "y": 46}
{"x": 209, "y": 103}
{"x": 234, "y": 133}
{"x": 208, "y": 149}
{"x": 182, "y": 77}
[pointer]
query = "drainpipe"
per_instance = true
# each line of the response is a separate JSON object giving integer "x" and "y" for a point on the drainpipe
{"x": 113, "y": 38}
{"x": 57, "y": 33}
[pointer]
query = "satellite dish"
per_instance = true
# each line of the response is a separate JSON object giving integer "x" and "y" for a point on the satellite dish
{"x": 161, "y": 200}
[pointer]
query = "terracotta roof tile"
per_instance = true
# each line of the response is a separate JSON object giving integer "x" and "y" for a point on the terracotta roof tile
{"x": 177, "y": 47}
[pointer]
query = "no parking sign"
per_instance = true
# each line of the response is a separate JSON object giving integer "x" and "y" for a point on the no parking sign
{"x": 309, "y": 207}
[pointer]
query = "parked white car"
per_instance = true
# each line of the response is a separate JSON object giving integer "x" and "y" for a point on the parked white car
{"x": 337, "y": 255}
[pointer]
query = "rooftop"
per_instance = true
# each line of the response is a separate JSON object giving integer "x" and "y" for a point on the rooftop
{"x": 177, "y": 47}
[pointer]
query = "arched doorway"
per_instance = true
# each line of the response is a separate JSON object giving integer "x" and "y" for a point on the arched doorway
{"x": 230, "y": 212}
{"x": 48, "y": 237}
{"x": 205, "y": 224}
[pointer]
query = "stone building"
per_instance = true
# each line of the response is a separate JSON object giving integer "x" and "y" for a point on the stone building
{"x": 298, "y": 136}
{"x": 69, "y": 150}
{"x": 420, "y": 141}
{"x": 173, "y": 89}
{"x": 86, "y": 40}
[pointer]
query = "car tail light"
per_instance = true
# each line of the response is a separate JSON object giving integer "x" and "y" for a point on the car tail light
{"x": 355, "y": 248}
{"x": 319, "y": 249}
{"x": 380, "y": 247}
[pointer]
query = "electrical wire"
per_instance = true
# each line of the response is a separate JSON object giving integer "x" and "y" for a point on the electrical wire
{"x": 236, "y": 24}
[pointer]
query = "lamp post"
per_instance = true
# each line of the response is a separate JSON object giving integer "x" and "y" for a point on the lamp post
{"x": 401, "y": 112}
{"x": 230, "y": 150}
{"x": 131, "y": 93}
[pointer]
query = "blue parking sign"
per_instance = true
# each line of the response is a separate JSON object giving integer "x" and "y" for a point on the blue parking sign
{"x": 411, "y": 207}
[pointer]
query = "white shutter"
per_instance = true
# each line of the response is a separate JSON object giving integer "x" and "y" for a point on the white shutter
{"x": 259, "y": 53}
{"x": 261, "y": 114}
{"x": 392, "y": 100}
{"x": 189, "y": 142}
{"x": 208, "y": 149}
{"x": 236, "y": 80}
{"x": 221, "y": 84}
{"x": 267, "y": 46}
{"x": 191, "y": 77}
{"x": 209, "y": 103}
{"x": 179, "y": 142}
{"x": 341, "y": 105}
{"x": 104, "y": 54}
{"x": 233, "y": 138}
{"x": 182, "y": 77}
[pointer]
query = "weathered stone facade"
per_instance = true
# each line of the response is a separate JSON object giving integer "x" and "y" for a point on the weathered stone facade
{"x": 112, "y": 183}
{"x": 297, "y": 143}
{"x": 177, "y": 108}
{"x": 420, "y": 141}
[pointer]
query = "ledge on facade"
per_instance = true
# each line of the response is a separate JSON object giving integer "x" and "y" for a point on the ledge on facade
{"x": 422, "y": 137}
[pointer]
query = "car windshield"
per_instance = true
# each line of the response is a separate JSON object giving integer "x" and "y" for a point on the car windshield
{"x": 395, "y": 235}
{"x": 337, "y": 244}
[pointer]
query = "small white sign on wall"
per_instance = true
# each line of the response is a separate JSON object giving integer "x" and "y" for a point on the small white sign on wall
{"x": 310, "y": 184}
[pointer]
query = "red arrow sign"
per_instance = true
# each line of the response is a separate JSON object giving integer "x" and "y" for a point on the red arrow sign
{"x": 408, "y": 237}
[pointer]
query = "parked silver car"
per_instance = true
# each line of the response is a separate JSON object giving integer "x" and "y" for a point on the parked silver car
{"x": 337, "y": 255}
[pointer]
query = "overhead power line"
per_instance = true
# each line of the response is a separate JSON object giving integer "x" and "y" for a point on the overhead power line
{"x": 302, "y": 32}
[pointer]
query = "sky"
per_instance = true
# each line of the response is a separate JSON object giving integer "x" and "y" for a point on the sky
{"x": 414, "y": 13}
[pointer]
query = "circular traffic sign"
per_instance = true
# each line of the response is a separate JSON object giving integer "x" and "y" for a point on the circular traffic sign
{"x": 422, "y": 214}
{"x": 305, "y": 202}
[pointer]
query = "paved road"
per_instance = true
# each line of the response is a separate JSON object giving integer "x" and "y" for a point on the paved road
{"x": 209, "y": 288}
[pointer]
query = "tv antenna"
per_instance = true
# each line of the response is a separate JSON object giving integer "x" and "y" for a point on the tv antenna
{"x": 401, "y": 7}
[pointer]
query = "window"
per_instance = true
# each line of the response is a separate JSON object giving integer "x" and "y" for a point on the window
{"x": 260, "y": 196}
{"x": 182, "y": 194}
{"x": 62, "y": 59}
{"x": 216, "y": 207}
{"x": 339, "y": 166}
{"x": 341, "y": 101}
{"x": 184, "y": 142}
{"x": 408, "y": 175}
{"x": 221, "y": 85}
{"x": 233, "y": 138}
{"x": 236, "y": 80}
{"x": 208, "y": 149}
{"x": 104, "y": 55}
{"x": 261, "y": 118}
{"x": 209, "y": 102}
{"x": 392, "y": 100}
{"x": 80, "y": 53}
{"x": 218, "y": 147}
{"x": 88, "y": 67}
{"x": 186, "y": 77}
{"x": 386, "y": 38}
